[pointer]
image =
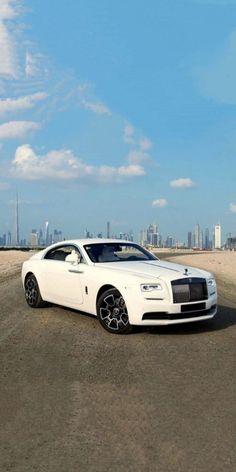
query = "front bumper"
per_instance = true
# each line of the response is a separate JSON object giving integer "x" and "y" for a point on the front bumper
{"x": 152, "y": 312}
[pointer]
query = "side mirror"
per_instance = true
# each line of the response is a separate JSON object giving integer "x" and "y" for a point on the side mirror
{"x": 73, "y": 258}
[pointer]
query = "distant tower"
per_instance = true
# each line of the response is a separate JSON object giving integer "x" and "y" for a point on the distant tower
{"x": 40, "y": 238}
{"x": 207, "y": 239}
{"x": 190, "y": 239}
{"x": 34, "y": 238}
{"x": 47, "y": 233}
{"x": 217, "y": 239}
{"x": 16, "y": 235}
{"x": 151, "y": 230}
{"x": 108, "y": 229}
{"x": 9, "y": 238}
{"x": 143, "y": 237}
{"x": 197, "y": 236}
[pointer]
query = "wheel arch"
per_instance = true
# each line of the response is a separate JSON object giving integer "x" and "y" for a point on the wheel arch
{"x": 103, "y": 289}
{"x": 27, "y": 275}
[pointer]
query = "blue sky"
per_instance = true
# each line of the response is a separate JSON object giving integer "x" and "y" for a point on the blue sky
{"x": 118, "y": 111}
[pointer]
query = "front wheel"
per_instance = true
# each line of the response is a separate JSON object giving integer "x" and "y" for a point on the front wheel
{"x": 112, "y": 312}
{"x": 32, "y": 292}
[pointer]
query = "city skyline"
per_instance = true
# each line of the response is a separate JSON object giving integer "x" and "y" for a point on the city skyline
{"x": 99, "y": 123}
{"x": 43, "y": 235}
{"x": 17, "y": 206}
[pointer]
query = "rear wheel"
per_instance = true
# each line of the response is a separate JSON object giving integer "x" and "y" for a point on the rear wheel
{"x": 112, "y": 312}
{"x": 32, "y": 292}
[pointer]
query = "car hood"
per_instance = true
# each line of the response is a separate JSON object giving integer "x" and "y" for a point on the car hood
{"x": 155, "y": 269}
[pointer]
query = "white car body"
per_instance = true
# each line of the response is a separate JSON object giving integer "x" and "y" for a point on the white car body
{"x": 154, "y": 290}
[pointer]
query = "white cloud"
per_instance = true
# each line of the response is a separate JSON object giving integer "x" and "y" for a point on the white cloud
{"x": 182, "y": 183}
{"x": 17, "y": 129}
{"x": 131, "y": 171}
{"x": 160, "y": 203}
{"x": 8, "y": 62}
{"x": 9, "y": 105}
{"x": 9, "y": 9}
{"x": 139, "y": 147}
{"x": 31, "y": 65}
{"x": 130, "y": 137}
{"x": 96, "y": 107}
{"x": 35, "y": 65}
{"x": 27, "y": 68}
{"x": 12, "y": 46}
{"x": 62, "y": 164}
{"x": 232, "y": 207}
{"x": 117, "y": 174}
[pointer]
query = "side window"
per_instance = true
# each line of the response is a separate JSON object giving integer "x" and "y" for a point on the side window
{"x": 60, "y": 253}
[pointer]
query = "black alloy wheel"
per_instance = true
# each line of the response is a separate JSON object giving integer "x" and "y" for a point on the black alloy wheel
{"x": 32, "y": 292}
{"x": 112, "y": 312}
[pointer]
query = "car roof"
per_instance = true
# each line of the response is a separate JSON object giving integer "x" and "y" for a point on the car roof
{"x": 93, "y": 241}
{"x": 84, "y": 242}
{"x": 78, "y": 242}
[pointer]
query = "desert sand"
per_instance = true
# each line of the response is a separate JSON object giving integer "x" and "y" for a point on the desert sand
{"x": 74, "y": 397}
{"x": 11, "y": 262}
{"x": 222, "y": 264}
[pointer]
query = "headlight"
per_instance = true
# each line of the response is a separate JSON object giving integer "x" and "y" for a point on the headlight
{"x": 211, "y": 283}
{"x": 150, "y": 287}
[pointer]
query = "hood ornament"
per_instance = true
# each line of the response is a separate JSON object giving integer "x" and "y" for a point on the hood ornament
{"x": 185, "y": 271}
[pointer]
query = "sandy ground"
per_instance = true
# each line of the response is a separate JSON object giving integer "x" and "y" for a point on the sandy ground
{"x": 11, "y": 262}
{"x": 76, "y": 398}
{"x": 221, "y": 264}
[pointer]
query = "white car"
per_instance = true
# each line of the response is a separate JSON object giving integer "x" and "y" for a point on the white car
{"x": 120, "y": 282}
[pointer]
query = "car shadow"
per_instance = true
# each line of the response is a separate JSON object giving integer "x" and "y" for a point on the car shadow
{"x": 225, "y": 317}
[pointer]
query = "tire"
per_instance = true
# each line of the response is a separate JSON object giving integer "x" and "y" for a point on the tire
{"x": 32, "y": 292}
{"x": 112, "y": 312}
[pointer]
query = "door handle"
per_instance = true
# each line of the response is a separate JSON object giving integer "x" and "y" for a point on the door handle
{"x": 76, "y": 271}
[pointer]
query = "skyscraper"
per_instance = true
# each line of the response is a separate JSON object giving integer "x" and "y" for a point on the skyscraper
{"x": 143, "y": 237}
{"x": 217, "y": 238}
{"x": 207, "y": 239}
{"x": 152, "y": 234}
{"x": 16, "y": 233}
{"x": 197, "y": 236}
{"x": 34, "y": 238}
{"x": 47, "y": 233}
{"x": 108, "y": 229}
{"x": 170, "y": 242}
{"x": 9, "y": 238}
{"x": 190, "y": 240}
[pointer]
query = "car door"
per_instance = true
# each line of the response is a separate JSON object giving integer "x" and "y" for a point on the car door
{"x": 62, "y": 280}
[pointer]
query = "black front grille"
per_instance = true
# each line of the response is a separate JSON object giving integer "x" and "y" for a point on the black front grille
{"x": 189, "y": 290}
{"x": 178, "y": 316}
{"x": 193, "y": 307}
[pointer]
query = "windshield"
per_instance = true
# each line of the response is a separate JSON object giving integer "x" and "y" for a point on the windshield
{"x": 117, "y": 252}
